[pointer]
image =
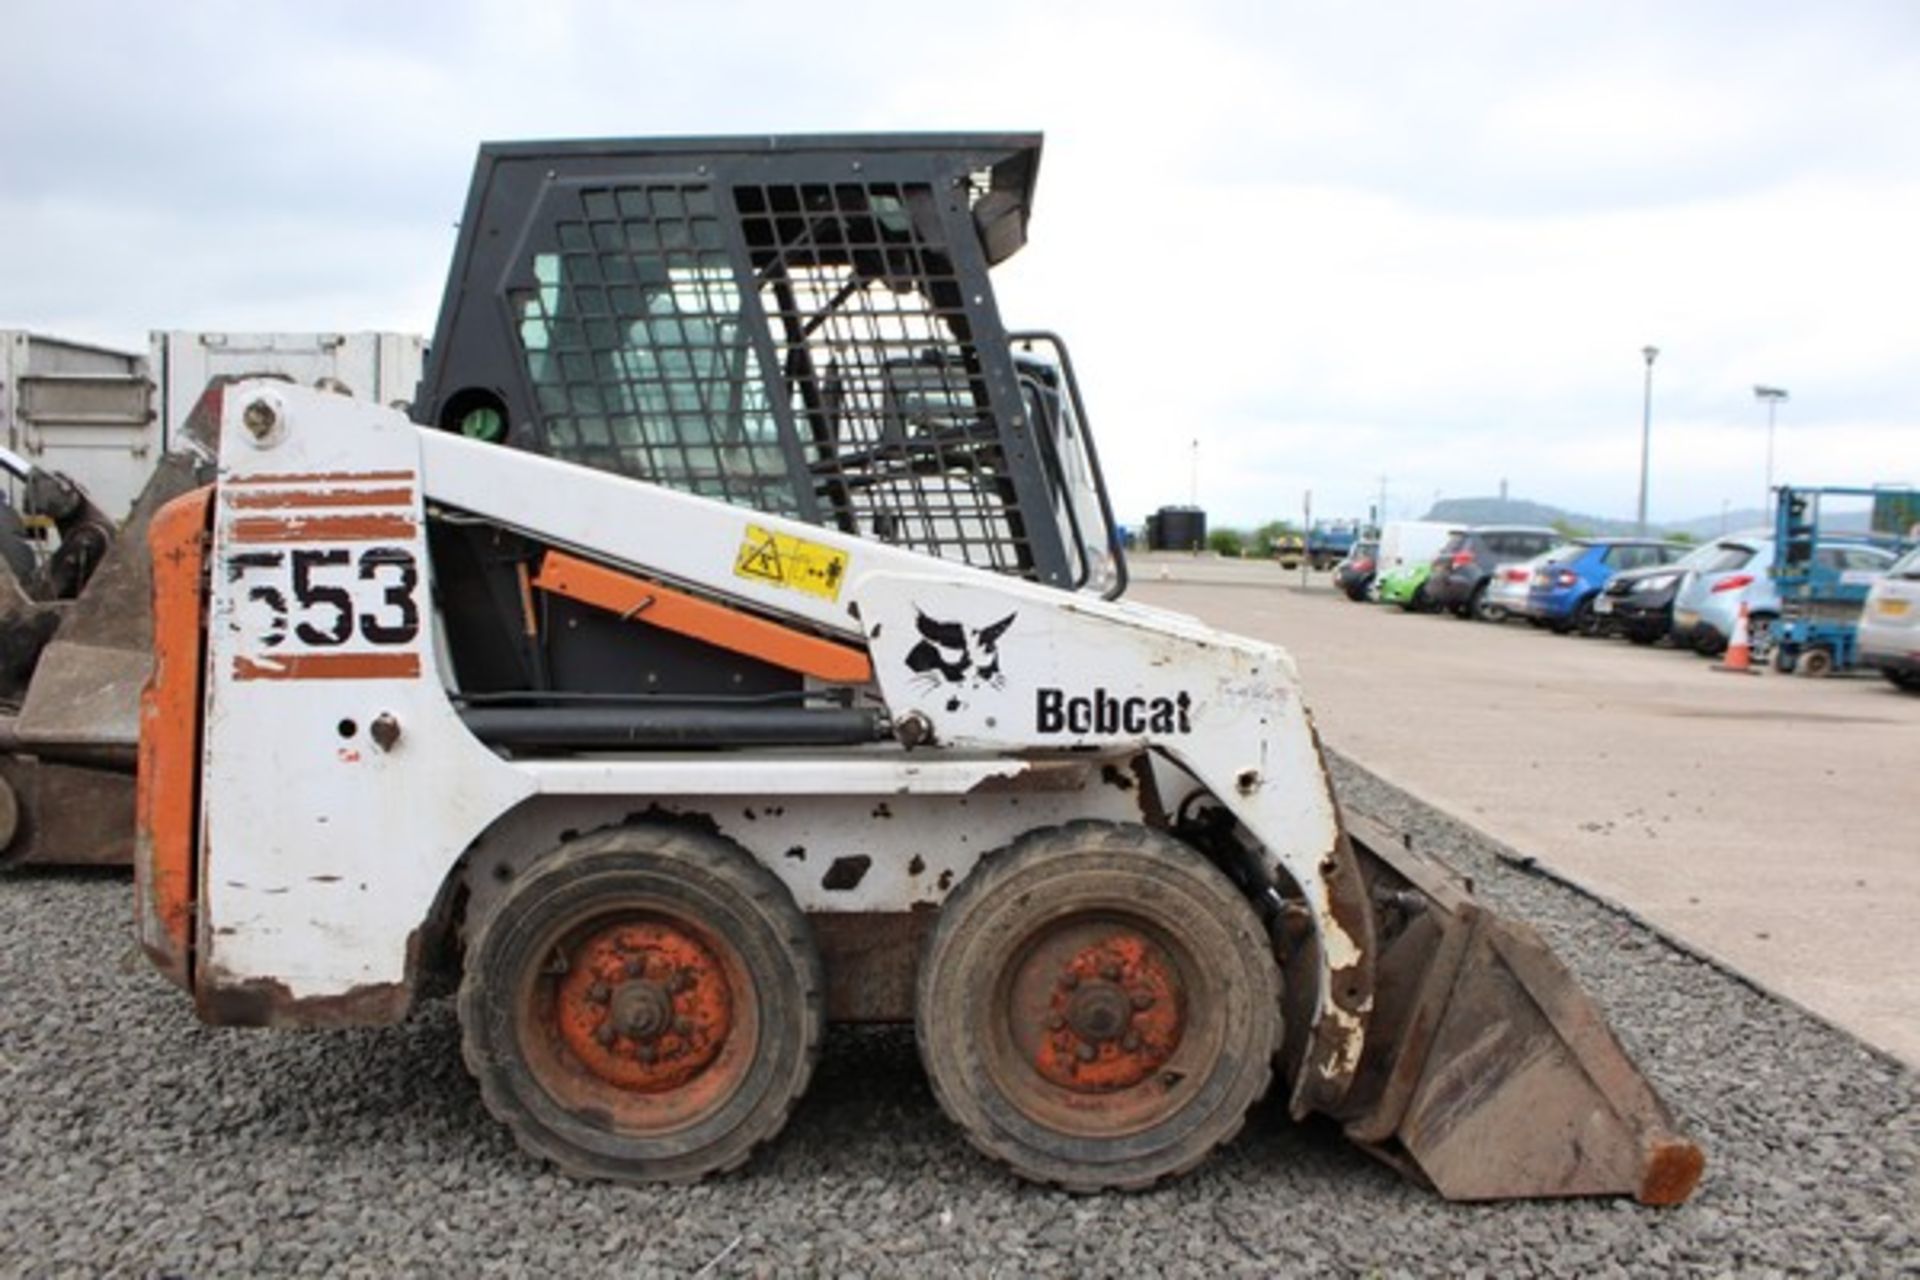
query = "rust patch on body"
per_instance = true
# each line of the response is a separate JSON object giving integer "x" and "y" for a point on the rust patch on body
{"x": 268, "y": 1002}
{"x": 872, "y": 962}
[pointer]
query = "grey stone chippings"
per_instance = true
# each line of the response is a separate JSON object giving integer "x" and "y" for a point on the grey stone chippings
{"x": 135, "y": 1141}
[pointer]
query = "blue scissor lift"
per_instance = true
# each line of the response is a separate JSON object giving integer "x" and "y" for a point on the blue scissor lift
{"x": 1820, "y": 600}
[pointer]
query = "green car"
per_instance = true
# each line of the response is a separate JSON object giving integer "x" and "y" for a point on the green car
{"x": 1407, "y": 587}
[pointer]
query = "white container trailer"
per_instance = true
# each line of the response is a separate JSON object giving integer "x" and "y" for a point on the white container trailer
{"x": 79, "y": 408}
{"x": 104, "y": 417}
{"x": 381, "y": 367}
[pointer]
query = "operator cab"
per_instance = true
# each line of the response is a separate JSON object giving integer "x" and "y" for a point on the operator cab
{"x": 803, "y": 326}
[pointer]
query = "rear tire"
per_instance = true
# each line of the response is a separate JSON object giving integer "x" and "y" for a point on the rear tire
{"x": 1478, "y": 606}
{"x": 1813, "y": 663}
{"x": 1644, "y": 638}
{"x": 1098, "y": 1007}
{"x": 643, "y": 1005}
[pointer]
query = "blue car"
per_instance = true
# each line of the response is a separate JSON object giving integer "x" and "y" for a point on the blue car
{"x": 1566, "y": 584}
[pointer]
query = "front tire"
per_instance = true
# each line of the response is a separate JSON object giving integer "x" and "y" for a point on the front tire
{"x": 1098, "y": 1007}
{"x": 643, "y": 1005}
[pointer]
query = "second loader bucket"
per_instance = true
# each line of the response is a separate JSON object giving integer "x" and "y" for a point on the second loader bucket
{"x": 1489, "y": 1073}
{"x": 67, "y": 755}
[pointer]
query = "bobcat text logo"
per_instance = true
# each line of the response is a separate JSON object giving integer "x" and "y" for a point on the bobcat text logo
{"x": 1100, "y": 712}
{"x": 962, "y": 657}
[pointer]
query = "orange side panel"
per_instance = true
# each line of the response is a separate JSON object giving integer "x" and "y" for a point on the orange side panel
{"x": 166, "y": 800}
{"x": 716, "y": 624}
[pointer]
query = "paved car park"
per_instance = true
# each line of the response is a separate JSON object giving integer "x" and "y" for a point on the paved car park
{"x": 1768, "y": 821}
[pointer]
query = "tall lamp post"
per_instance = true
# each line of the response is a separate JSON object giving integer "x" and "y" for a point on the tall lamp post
{"x": 1772, "y": 396}
{"x": 1646, "y": 435}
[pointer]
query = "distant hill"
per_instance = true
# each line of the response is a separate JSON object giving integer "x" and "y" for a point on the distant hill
{"x": 1520, "y": 511}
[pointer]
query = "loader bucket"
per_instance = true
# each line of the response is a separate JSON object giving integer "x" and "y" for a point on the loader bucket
{"x": 67, "y": 757}
{"x": 1489, "y": 1073}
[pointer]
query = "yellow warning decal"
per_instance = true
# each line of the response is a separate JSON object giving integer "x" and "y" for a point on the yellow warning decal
{"x": 794, "y": 563}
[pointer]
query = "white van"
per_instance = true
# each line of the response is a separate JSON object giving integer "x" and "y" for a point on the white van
{"x": 1410, "y": 542}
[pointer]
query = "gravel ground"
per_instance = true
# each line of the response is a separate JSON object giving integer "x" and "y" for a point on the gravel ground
{"x": 133, "y": 1140}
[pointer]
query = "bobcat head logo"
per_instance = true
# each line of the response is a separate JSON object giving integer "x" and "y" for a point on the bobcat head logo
{"x": 963, "y": 658}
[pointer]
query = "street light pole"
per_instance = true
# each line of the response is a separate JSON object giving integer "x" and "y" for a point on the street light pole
{"x": 1646, "y": 436}
{"x": 1773, "y": 396}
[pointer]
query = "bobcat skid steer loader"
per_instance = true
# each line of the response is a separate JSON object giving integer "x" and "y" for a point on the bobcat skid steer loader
{"x": 731, "y": 644}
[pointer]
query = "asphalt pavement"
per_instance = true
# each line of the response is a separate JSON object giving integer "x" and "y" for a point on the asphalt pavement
{"x": 1771, "y": 821}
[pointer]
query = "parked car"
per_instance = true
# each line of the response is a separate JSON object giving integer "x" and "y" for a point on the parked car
{"x": 1638, "y": 603}
{"x": 1709, "y": 598}
{"x": 1507, "y": 586}
{"x": 1567, "y": 583}
{"x": 1354, "y": 573}
{"x": 1464, "y": 568}
{"x": 1889, "y": 637}
{"x": 1407, "y": 587}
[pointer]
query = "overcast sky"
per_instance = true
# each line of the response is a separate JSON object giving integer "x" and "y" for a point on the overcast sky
{"x": 1328, "y": 242}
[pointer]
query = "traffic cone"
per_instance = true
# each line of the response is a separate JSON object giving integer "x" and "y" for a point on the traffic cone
{"x": 1739, "y": 659}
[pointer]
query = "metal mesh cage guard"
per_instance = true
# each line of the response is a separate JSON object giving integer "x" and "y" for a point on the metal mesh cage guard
{"x": 808, "y": 332}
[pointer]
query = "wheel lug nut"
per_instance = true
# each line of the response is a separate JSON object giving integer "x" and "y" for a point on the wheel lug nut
{"x": 682, "y": 1028}
{"x": 1086, "y": 1052}
{"x": 1110, "y": 971}
{"x": 1142, "y": 1000}
{"x": 648, "y": 1054}
{"x": 604, "y": 1034}
{"x": 636, "y": 967}
{"x": 1131, "y": 1041}
{"x": 682, "y": 981}
{"x": 1055, "y": 1022}
{"x": 598, "y": 993}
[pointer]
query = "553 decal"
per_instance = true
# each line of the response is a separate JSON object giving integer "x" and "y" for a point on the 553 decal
{"x": 321, "y": 598}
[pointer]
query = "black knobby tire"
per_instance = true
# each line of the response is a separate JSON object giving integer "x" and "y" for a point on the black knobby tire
{"x": 703, "y": 927}
{"x": 1584, "y": 620}
{"x": 1643, "y": 637}
{"x": 1027, "y": 950}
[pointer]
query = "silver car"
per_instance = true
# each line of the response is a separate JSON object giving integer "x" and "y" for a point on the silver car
{"x": 1889, "y": 637}
{"x": 1507, "y": 588}
{"x": 1737, "y": 572}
